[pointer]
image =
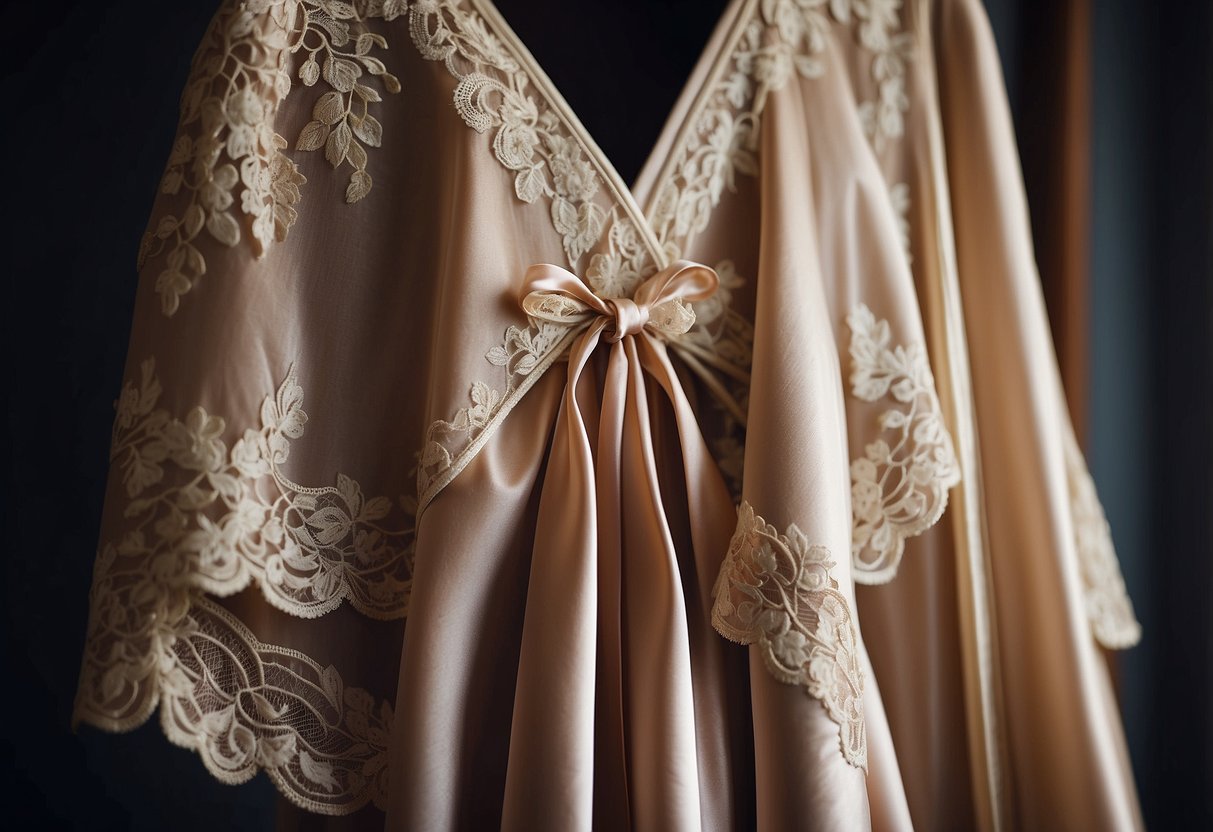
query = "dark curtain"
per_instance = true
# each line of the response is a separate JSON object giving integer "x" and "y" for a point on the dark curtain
{"x": 91, "y": 91}
{"x": 1113, "y": 105}
{"x": 1046, "y": 48}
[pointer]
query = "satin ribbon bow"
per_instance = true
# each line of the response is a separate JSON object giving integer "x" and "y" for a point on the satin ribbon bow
{"x": 617, "y": 595}
{"x": 553, "y": 294}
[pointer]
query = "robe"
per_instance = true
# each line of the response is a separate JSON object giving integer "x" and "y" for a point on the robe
{"x": 456, "y": 484}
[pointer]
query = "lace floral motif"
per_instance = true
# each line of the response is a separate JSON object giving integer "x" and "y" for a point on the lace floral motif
{"x": 1107, "y": 601}
{"x": 776, "y": 591}
{"x": 341, "y": 117}
{"x": 877, "y": 24}
{"x": 227, "y": 517}
{"x": 492, "y": 94}
{"x": 228, "y": 151}
{"x": 898, "y": 490}
{"x": 243, "y": 706}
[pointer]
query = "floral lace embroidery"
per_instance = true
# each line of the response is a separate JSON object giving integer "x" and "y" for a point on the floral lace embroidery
{"x": 239, "y": 80}
{"x": 206, "y": 518}
{"x": 243, "y": 706}
{"x": 1107, "y": 601}
{"x": 898, "y": 490}
{"x": 877, "y": 20}
{"x": 776, "y": 591}
{"x": 224, "y": 518}
{"x": 491, "y": 94}
{"x": 341, "y": 117}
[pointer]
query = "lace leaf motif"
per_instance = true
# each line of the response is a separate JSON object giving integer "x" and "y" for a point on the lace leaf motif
{"x": 899, "y": 488}
{"x": 231, "y": 517}
{"x": 228, "y": 161}
{"x": 777, "y": 592}
{"x": 491, "y": 94}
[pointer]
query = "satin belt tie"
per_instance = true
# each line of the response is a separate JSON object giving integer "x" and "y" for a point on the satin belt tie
{"x": 660, "y": 304}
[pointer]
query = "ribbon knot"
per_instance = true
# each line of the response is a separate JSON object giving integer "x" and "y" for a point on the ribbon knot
{"x": 660, "y": 303}
{"x": 630, "y": 317}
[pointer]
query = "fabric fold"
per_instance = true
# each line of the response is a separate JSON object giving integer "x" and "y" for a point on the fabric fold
{"x": 607, "y": 643}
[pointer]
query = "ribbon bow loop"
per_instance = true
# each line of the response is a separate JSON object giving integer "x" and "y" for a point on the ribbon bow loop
{"x": 551, "y": 293}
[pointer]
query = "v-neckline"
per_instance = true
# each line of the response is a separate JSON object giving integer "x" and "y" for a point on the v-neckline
{"x": 707, "y": 66}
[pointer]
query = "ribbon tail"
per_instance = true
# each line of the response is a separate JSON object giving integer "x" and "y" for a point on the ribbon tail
{"x": 557, "y": 657}
{"x": 659, "y": 687}
{"x": 721, "y": 674}
{"x": 611, "y": 796}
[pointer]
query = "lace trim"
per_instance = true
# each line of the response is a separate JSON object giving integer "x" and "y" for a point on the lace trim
{"x": 219, "y": 519}
{"x": 243, "y": 706}
{"x": 899, "y": 488}
{"x": 776, "y": 591}
{"x": 451, "y": 444}
{"x": 530, "y": 139}
{"x": 492, "y": 94}
{"x": 1109, "y": 609}
{"x": 227, "y": 145}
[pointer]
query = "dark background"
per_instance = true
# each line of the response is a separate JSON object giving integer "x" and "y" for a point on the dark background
{"x": 89, "y": 112}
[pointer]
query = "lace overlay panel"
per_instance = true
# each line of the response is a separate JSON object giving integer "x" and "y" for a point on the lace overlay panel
{"x": 1109, "y": 609}
{"x": 203, "y": 517}
{"x": 228, "y": 167}
{"x": 899, "y": 487}
{"x": 777, "y": 592}
{"x": 221, "y": 517}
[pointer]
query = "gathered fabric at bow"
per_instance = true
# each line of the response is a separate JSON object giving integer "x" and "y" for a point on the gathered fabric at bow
{"x": 659, "y": 305}
{"x": 557, "y": 295}
{"x": 614, "y": 611}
